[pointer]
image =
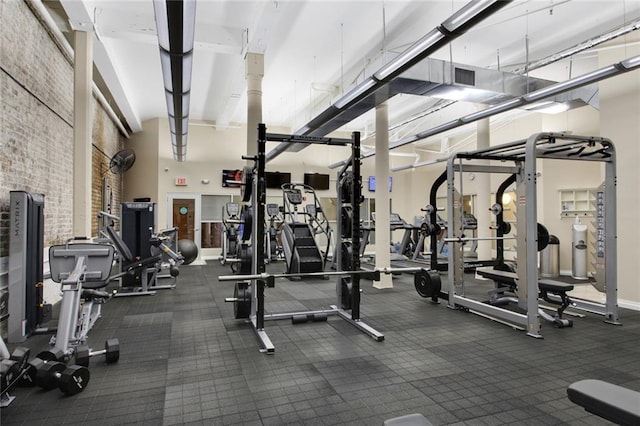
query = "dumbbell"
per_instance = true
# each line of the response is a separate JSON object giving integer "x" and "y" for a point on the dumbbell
{"x": 11, "y": 369}
{"x": 70, "y": 380}
{"x": 31, "y": 369}
{"x": 111, "y": 353}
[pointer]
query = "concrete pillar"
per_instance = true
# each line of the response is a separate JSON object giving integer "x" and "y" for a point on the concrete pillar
{"x": 383, "y": 257}
{"x": 82, "y": 126}
{"x": 254, "y": 71}
{"x": 483, "y": 199}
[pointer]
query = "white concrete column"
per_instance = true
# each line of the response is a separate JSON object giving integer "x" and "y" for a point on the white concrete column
{"x": 254, "y": 71}
{"x": 383, "y": 257}
{"x": 483, "y": 199}
{"x": 82, "y": 126}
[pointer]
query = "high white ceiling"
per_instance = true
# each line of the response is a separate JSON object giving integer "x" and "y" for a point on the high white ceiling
{"x": 315, "y": 50}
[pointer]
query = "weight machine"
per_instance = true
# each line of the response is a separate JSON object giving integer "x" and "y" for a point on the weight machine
{"x": 531, "y": 237}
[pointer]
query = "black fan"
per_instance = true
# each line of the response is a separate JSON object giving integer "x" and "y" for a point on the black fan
{"x": 122, "y": 161}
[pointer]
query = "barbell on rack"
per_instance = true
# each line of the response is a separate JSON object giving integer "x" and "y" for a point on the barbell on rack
{"x": 427, "y": 283}
{"x": 543, "y": 238}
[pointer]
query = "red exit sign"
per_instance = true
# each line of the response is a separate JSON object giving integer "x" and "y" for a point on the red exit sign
{"x": 181, "y": 181}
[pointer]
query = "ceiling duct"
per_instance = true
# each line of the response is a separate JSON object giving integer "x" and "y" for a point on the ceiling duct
{"x": 456, "y": 25}
{"x": 536, "y": 96}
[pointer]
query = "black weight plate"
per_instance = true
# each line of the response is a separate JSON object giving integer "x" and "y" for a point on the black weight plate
{"x": 247, "y": 184}
{"x": 543, "y": 237}
{"x": 29, "y": 376}
{"x": 112, "y": 351}
{"x": 346, "y": 221}
{"x": 427, "y": 283}
{"x": 505, "y": 227}
{"x": 46, "y": 375}
{"x": 82, "y": 355}
{"x": 242, "y": 305}
{"x": 347, "y": 293}
{"x": 247, "y": 219}
{"x": 74, "y": 379}
{"x": 51, "y": 355}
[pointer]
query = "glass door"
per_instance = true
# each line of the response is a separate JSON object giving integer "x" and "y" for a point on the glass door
{"x": 184, "y": 213}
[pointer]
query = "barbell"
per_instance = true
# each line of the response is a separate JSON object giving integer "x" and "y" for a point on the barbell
{"x": 543, "y": 238}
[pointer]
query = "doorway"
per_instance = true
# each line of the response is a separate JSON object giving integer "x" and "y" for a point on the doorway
{"x": 184, "y": 213}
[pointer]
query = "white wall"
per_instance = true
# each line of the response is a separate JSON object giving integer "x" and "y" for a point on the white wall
{"x": 209, "y": 151}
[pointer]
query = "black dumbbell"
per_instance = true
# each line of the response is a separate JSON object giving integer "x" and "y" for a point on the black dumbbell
{"x": 31, "y": 369}
{"x": 111, "y": 353}
{"x": 11, "y": 369}
{"x": 70, "y": 380}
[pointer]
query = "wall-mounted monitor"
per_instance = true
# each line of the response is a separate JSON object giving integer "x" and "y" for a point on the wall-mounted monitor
{"x": 317, "y": 181}
{"x": 372, "y": 183}
{"x": 231, "y": 178}
{"x": 276, "y": 179}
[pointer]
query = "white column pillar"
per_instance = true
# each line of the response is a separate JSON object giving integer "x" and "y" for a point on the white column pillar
{"x": 254, "y": 71}
{"x": 82, "y": 126}
{"x": 483, "y": 199}
{"x": 383, "y": 257}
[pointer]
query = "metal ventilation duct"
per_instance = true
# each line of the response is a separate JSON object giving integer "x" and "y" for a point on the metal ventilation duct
{"x": 541, "y": 94}
{"x": 358, "y": 98}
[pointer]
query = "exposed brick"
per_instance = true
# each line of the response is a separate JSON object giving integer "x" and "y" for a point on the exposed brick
{"x": 36, "y": 134}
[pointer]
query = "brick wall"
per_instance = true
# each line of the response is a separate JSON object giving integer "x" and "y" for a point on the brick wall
{"x": 36, "y": 125}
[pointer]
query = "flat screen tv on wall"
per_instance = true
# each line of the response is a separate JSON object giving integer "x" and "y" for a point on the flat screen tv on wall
{"x": 317, "y": 181}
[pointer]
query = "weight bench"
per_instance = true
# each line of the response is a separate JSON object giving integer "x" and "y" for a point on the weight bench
{"x": 508, "y": 281}
{"x": 609, "y": 401}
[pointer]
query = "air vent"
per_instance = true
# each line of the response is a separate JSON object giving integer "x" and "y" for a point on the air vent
{"x": 463, "y": 76}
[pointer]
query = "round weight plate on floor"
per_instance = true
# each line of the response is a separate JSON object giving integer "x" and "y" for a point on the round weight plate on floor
{"x": 112, "y": 351}
{"x": 242, "y": 305}
{"x": 427, "y": 283}
{"x": 247, "y": 184}
{"x": 51, "y": 355}
{"x": 74, "y": 379}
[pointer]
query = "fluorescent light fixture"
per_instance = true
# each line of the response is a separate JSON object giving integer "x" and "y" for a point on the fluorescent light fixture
{"x": 573, "y": 83}
{"x": 495, "y": 109}
{"x": 548, "y": 107}
{"x": 182, "y": 129}
{"x": 631, "y": 63}
{"x": 354, "y": 93}
{"x": 303, "y": 130}
{"x": 188, "y": 24}
{"x": 162, "y": 23}
{"x": 170, "y": 107}
{"x": 416, "y": 49}
{"x": 165, "y": 63}
{"x": 466, "y": 14}
{"x": 187, "y": 65}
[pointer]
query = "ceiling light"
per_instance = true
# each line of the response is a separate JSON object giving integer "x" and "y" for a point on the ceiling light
{"x": 631, "y": 63}
{"x": 354, "y": 93}
{"x": 414, "y": 52}
{"x": 467, "y": 14}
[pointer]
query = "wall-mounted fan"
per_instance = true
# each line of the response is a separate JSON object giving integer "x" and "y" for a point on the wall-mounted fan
{"x": 122, "y": 161}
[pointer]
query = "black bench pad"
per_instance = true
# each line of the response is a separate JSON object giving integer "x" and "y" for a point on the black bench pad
{"x": 510, "y": 278}
{"x": 609, "y": 401}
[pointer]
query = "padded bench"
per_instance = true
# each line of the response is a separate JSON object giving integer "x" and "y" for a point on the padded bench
{"x": 609, "y": 401}
{"x": 545, "y": 288}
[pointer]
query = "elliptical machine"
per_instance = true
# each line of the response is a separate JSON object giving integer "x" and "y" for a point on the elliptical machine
{"x": 273, "y": 247}
{"x": 230, "y": 218}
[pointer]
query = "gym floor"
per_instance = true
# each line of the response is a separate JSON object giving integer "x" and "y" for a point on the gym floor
{"x": 185, "y": 360}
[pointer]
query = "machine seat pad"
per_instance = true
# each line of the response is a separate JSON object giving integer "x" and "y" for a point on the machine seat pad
{"x": 555, "y": 287}
{"x": 408, "y": 420}
{"x": 609, "y": 401}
